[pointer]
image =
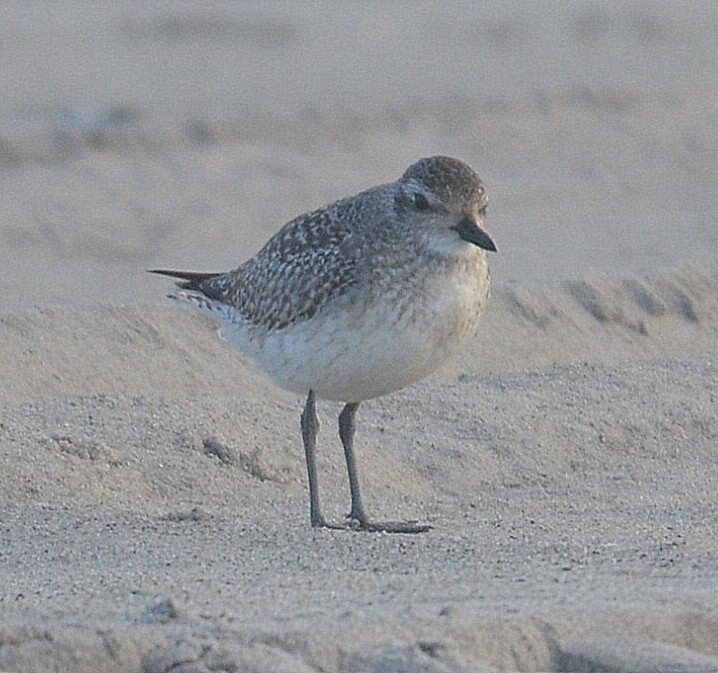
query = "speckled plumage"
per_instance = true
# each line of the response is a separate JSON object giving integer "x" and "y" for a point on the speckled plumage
{"x": 309, "y": 261}
{"x": 361, "y": 297}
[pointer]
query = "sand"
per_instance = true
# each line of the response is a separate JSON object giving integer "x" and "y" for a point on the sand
{"x": 154, "y": 508}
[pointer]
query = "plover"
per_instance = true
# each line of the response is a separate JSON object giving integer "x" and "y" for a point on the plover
{"x": 359, "y": 299}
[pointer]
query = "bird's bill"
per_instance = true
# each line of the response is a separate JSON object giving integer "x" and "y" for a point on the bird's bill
{"x": 470, "y": 231}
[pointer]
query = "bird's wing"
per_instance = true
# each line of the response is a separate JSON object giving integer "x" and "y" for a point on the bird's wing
{"x": 310, "y": 261}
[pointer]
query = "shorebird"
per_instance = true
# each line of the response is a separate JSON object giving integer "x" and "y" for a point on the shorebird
{"x": 359, "y": 299}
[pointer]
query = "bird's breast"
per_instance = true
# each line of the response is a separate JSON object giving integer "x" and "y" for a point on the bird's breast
{"x": 381, "y": 341}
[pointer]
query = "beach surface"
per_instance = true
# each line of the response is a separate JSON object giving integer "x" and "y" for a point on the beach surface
{"x": 154, "y": 507}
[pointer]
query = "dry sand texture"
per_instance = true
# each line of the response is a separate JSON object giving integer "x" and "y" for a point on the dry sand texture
{"x": 153, "y": 502}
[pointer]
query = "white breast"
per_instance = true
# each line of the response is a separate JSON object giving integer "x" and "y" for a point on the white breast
{"x": 356, "y": 352}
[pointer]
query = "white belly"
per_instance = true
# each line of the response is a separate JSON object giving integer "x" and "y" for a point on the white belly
{"x": 353, "y": 353}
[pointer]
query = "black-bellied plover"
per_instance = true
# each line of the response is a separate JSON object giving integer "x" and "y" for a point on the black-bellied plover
{"x": 359, "y": 299}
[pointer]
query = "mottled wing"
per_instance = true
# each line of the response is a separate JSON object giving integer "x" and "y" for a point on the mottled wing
{"x": 310, "y": 261}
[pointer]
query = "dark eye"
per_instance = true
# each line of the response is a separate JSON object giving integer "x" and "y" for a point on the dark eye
{"x": 421, "y": 202}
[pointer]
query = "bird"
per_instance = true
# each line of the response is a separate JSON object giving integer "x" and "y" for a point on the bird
{"x": 359, "y": 299}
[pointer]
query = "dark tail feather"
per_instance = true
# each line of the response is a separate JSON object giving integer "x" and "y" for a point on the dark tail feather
{"x": 193, "y": 280}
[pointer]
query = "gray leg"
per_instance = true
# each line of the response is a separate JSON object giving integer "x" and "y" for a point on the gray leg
{"x": 310, "y": 429}
{"x": 357, "y": 516}
{"x": 347, "y": 428}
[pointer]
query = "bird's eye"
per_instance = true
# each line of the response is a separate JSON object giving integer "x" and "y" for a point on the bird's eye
{"x": 421, "y": 202}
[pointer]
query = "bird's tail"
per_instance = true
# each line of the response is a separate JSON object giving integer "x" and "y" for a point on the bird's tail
{"x": 189, "y": 280}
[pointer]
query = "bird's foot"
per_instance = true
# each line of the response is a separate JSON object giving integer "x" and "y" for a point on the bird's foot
{"x": 407, "y": 527}
{"x": 361, "y": 523}
{"x": 320, "y": 522}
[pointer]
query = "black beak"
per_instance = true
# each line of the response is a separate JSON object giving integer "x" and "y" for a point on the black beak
{"x": 470, "y": 231}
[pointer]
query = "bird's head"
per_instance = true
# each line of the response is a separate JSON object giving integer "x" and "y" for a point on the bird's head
{"x": 446, "y": 200}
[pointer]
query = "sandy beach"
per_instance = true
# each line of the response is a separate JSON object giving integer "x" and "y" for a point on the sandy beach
{"x": 154, "y": 507}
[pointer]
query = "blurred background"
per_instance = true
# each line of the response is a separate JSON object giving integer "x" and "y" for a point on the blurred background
{"x": 183, "y": 134}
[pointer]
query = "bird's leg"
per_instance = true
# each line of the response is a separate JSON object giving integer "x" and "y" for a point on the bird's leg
{"x": 310, "y": 429}
{"x": 357, "y": 516}
{"x": 347, "y": 429}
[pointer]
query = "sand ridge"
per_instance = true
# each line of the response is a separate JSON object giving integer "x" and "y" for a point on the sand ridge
{"x": 163, "y": 350}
